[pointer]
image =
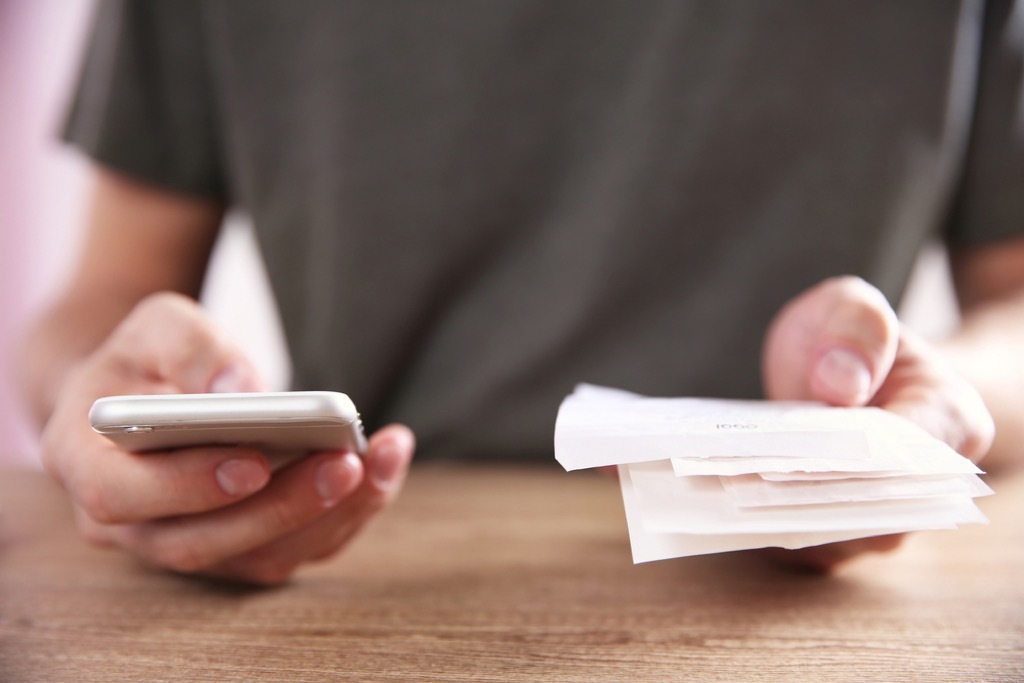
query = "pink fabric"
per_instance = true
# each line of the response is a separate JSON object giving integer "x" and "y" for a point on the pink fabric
{"x": 16, "y": 167}
{"x": 40, "y": 182}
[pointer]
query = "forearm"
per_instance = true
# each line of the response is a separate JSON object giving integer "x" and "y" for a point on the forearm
{"x": 139, "y": 240}
{"x": 988, "y": 350}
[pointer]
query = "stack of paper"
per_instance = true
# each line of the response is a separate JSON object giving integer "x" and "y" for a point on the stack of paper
{"x": 705, "y": 475}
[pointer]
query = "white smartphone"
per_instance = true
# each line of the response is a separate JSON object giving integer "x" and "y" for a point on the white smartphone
{"x": 282, "y": 424}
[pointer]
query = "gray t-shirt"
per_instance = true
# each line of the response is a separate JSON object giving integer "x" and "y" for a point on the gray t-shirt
{"x": 467, "y": 207}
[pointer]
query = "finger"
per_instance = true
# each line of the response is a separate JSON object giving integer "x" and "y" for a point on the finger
{"x": 275, "y": 562}
{"x": 925, "y": 390}
{"x": 295, "y": 497}
{"x": 388, "y": 456}
{"x": 168, "y": 338}
{"x": 150, "y": 352}
{"x": 128, "y": 488}
{"x": 834, "y": 343}
{"x": 389, "y": 453}
{"x": 117, "y": 487}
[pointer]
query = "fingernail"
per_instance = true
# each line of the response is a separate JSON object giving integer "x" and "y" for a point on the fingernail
{"x": 336, "y": 478}
{"x": 241, "y": 477}
{"x": 385, "y": 466}
{"x": 233, "y": 379}
{"x": 845, "y": 375}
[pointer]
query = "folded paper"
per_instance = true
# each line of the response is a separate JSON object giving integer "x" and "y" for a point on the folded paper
{"x": 704, "y": 476}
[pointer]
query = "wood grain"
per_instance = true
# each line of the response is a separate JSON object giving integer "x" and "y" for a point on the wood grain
{"x": 511, "y": 574}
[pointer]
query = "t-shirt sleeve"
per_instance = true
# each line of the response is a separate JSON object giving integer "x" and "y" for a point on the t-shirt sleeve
{"x": 990, "y": 202}
{"x": 143, "y": 104}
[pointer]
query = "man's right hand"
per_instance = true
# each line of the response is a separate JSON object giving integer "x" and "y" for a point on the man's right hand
{"x": 211, "y": 511}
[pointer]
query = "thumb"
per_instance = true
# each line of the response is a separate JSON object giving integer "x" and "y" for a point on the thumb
{"x": 835, "y": 343}
{"x": 167, "y": 338}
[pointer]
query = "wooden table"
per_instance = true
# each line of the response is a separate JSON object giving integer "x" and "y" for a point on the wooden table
{"x": 511, "y": 574}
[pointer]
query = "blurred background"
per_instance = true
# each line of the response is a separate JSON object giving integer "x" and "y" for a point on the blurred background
{"x": 43, "y": 189}
{"x": 43, "y": 199}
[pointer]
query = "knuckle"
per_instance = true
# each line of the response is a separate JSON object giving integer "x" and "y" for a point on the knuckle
{"x": 92, "y": 497}
{"x": 191, "y": 344}
{"x": 149, "y": 310}
{"x": 178, "y": 552}
{"x": 978, "y": 437}
{"x": 970, "y": 426}
{"x": 188, "y": 491}
{"x": 283, "y": 515}
{"x": 92, "y": 532}
{"x": 164, "y": 311}
{"x": 162, "y": 303}
{"x": 270, "y": 573}
{"x": 195, "y": 338}
{"x": 48, "y": 454}
{"x": 854, "y": 290}
{"x": 70, "y": 465}
{"x": 93, "y": 536}
{"x": 379, "y": 502}
{"x": 846, "y": 283}
{"x": 265, "y": 566}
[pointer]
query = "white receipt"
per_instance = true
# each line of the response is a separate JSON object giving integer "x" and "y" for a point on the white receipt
{"x": 701, "y": 505}
{"x": 648, "y": 546}
{"x": 753, "y": 490}
{"x": 595, "y": 426}
{"x": 709, "y": 475}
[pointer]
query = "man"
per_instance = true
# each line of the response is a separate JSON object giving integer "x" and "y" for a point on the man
{"x": 466, "y": 208}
